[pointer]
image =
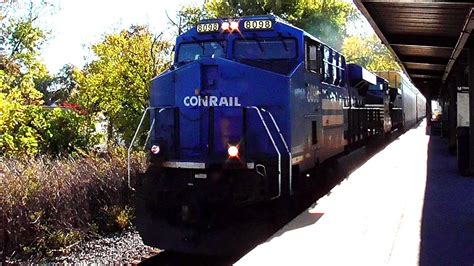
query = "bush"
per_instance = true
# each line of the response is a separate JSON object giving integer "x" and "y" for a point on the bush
{"x": 47, "y": 204}
{"x": 66, "y": 131}
{"x": 31, "y": 129}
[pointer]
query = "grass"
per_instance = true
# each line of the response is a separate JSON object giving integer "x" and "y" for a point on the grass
{"x": 49, "y": 204}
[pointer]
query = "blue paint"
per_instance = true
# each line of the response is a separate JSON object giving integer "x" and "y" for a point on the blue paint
{"x": 305, "y": 84}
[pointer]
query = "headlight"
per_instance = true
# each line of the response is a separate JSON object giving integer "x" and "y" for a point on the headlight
{"x": 233, "y": 151}
{"x": 155, "y": 149}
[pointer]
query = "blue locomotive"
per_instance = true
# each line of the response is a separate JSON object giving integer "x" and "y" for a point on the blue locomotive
{"x": 249, "y": 106}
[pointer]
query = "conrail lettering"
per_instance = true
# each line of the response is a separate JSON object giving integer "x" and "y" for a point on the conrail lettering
{"x": 210, "y": 101}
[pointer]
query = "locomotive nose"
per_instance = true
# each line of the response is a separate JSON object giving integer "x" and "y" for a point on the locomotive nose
{"x": 210, "y": 112}
{"x": 213, "y": 100}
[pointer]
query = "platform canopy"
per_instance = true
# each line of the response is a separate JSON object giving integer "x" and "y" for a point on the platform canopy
{"x": 427, "y": 37}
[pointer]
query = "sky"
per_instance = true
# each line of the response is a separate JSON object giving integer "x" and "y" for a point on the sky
{"x": 75, "y": 25}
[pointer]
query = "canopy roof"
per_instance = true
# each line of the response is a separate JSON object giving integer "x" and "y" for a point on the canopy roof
{"x": 426, "y": 36}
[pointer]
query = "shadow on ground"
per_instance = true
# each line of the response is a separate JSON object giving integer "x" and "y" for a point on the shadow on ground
{"x": 324, "y": 180}
{"x": 447, "y": 229}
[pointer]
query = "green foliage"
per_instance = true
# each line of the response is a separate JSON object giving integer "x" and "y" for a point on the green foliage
{"x": 325, "y": 19}
{"x": 65, "y": 131}
{"x": 115, "y": 218}
{"x": 15, "y": 133}
{"x": 21, "y": 51}
{"x": 24, "y": 39}
{"x": 59, "y": 239}
{"x": 30, "y": 129}
{"x": 26, "y": 127}
{"x": 370, "y": 53}
{"x": 23, "y": 123}
{"x": 117, "y": 83}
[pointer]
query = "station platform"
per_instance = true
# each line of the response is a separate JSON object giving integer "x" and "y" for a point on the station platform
{"x": 406, "y": 205}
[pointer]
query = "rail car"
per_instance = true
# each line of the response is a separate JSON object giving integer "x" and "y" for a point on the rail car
{"x": 406, "y": 97}
{"x": 248, "y": 107}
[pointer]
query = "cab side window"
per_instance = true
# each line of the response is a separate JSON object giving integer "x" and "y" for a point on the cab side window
{"x": 326, "y": 62}
{"x": 340, "y": 71}
{"x": 312, "y": 61}
{"x": 334, "y": 65}
{"x": 313, "y": 57}
{"x": 335, "y": 69}
{"x": 342, "y": 68}
{"x": 327, "y": 65}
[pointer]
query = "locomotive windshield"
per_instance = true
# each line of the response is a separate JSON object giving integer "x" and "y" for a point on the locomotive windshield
{"x": 271, "y": 54}
{"x": 265, "y": 49}
{"x": 188, "y": 52}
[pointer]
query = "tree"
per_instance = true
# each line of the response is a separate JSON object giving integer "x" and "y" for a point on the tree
{"x": 117, "y": 83}
{"x": 19, "y": 71}
{"x": 26, "y": 126}
{"x": 325, "y": 19}
{"x": 20, "y": 57}
{"x": 60, "y": 87}
{"x": 370, "y": 53}
{"x": 186, "y": 18}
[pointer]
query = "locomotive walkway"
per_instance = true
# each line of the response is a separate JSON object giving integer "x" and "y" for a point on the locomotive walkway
{"x": 405, "y": 206}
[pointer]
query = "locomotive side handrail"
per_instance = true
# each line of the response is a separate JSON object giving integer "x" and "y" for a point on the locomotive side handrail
{"x": 286, "y": 147}
{"x": 129, "y": 169}
{"x": 274, "y": 145}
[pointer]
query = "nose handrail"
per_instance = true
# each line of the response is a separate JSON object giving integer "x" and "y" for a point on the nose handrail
{"x": 274, "y": 145}
{"x": 275, "y": 124}
{"x": 149, "y": 133}
{"x": 267, "y": 129}
{"x": 129, "y": 151}
{"x": 259, "y": 112}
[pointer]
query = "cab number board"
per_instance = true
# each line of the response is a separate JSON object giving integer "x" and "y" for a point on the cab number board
{"x": 258, "y": 24}
{"x": 208, "y": 27}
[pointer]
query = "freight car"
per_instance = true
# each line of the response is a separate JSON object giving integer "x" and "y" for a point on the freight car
{"x": 249, "y": 106}
{"x": 407, "y": 98}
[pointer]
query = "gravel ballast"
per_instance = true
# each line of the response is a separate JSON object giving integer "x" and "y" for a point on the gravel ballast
{"x": 124, "y": 247}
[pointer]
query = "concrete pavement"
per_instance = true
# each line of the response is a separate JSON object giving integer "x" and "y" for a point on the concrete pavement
{"x": 373, "y": 217}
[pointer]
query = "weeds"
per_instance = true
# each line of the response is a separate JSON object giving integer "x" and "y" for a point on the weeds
{"x": 48, "y": 204}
